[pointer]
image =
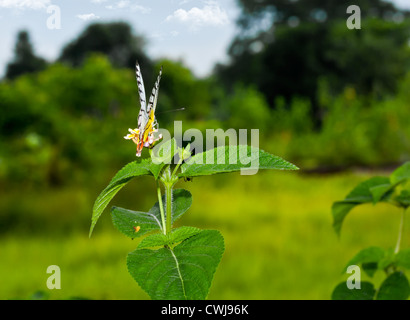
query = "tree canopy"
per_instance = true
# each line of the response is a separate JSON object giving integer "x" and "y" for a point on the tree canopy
{"x": 286, "y": 48}
{"x": 24, "y": 61}
{"x": 115, "y": 40}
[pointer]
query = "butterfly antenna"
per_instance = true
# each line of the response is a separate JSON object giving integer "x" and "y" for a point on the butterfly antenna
{"x": 173, "y": 110}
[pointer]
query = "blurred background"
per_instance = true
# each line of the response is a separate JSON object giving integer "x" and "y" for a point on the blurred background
{"x": 333, "y": 101}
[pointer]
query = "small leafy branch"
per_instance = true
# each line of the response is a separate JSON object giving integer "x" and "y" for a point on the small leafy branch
{"x": 175, "y": 263}
{"x": 394, "y": 190}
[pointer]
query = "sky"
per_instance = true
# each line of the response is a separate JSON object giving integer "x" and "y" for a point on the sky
{"x": 198, "y": 32}
{"x": 195, "y": 31}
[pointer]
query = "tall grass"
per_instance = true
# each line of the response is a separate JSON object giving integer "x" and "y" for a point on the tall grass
{"x": 277, "y": 229}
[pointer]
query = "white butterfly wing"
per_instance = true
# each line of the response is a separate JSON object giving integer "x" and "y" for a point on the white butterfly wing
{"x": 152, "y": 103}
{"x": 143, "y": 114}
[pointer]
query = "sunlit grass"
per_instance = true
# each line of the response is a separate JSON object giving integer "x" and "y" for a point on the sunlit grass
{"x": 277, "y": 228}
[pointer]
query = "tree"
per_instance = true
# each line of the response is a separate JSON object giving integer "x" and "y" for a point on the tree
{"x": 286, "y": 47}
{"x": 115, "y": 40}
{"x": 25, "y": 61}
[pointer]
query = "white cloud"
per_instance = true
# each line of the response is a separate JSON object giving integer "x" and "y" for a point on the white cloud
{"x": 210, "y": 15}
{"x": 87, "y": 16}
{"x": 161, "y": 36}
{"x": 24, "y": 4}
{"x": 126, "y": 4}
{"x": 174, "y": 33}
{"x": 98, "y": 1}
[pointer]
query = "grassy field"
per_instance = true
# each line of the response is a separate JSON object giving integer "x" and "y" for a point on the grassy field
{"x": 277, "y": 228}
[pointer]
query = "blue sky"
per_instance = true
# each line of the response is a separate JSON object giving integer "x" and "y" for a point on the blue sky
{"x": 196, "y": 31}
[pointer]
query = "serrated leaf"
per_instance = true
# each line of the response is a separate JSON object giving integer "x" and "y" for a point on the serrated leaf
{"x": 162, "y": 154}
{"x": 359, "y": 195}
{"x": 232, "y": 158}
{"x": 177, "y": 235}
{"x": 394, "y": 287}
{"x": 126, "y": 221}
{"x": 182, "y": 273}
{"x": 342, "y": 292}
{"x": 401, "y": 174}
{"x": 181, "y": 202}
{"x": 131, "y": 170}
{"x": 403, "y": 258}
{"x": 153, "y": 240}
{"x": 182, "y": 233}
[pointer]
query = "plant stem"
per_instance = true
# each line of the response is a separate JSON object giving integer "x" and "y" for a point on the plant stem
{"x": 177, "y": 166}
{"x": 168, "y": 201}
{"x": 400, "y": 231}
{"x": 161, "y": 207}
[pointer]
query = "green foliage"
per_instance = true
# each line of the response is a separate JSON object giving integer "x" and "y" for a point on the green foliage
{"x": 356, "y": 131}
{"x": 184, "y": 272}
{"x": 123, "y": 176}
{"x": 392, "y": 190}
{"x": 395, "y": 287}
{"x": 232, "y": 158}
{"x": 126, "y": 220}
{"x": 180, "y": 89}
{"x": 342, "y": 292}
{"x": 25, "y": 61}
{"x": 287, "y": 48}
{"x": 184, "y": 265}
{"x": 115, "y": 40}
{"x": 177, "y": 235}
{"x": 247, "y": 108}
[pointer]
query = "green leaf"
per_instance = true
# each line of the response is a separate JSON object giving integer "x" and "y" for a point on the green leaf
{"x": 403, "y": 258}
{"x": 131, "y": 170}
{"x": 232, "y": 158}
{"x": 162, "y": 154}
{"x": 369, "y": 257}
{"x": 401, "y": 174}
{"x": 387, "y": 260}
{"x": 182, "y": 233}
{"x": 182, "y": 273}
{"x": 360, "y": 194}
{"x": 380, "y": 192}
{"x": 370, "y": 268}
{"x": 127, "y": 220}
{"x": 177, "y": 235}
{"x": 181, "y": 202}
{"x": 342, "y": 292}
{"x": 153, "y": 240}
{"x": 371, "y": 254}
{"x": 403, "y": 199}
{"x": 394, "y": 287}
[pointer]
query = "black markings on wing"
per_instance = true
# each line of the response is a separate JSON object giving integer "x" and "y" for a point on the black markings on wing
{"x": 152, "y": 104}
{"x": 143, "y": 115}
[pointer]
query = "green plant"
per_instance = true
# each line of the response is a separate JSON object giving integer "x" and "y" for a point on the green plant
{"x": 394, "y": 190}
{"x": 175, "y": 263}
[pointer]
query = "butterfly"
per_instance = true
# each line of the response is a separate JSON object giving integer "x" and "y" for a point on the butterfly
{"x": 143, "y": 136}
